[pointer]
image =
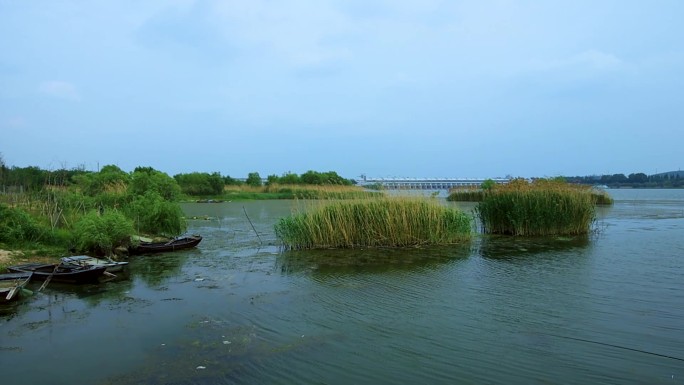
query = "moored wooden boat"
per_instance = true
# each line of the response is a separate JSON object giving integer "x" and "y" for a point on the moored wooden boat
{"x": 11, "y": 285}
{"x": 85, "y": 260}
{"x": 61, "y": 272}
{"x": 172, "y": 245}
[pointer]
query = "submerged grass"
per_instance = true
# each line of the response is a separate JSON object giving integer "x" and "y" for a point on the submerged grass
{"x": 380, "y": 222}
{"x": 537, "y": 209}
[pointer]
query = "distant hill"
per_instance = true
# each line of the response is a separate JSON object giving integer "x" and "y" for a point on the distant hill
{"x": 671, "y": 174}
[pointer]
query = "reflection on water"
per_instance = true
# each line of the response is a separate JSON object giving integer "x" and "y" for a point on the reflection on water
{"x": 575, "y": 310}
{"x": 156, "y": 269}
{"x": 368, "y": 260}
{"x": 511, "y": 248}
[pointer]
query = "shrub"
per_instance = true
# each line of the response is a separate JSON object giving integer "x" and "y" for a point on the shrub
{"x": 146, "y": 179}
{"x": 200, "y": 184}
{"x": 154, "y": 215}
{"x": 102, "y": 233}
{"x": 18, "y": 227}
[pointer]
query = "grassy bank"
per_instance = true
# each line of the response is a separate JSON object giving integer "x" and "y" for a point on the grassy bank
{"x": 284, "y": 191}
{"x": 382, "y": 222}
{"x": 537, "y": 209}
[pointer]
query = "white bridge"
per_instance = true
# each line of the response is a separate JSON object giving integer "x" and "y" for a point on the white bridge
{"x": 426, "y": 183}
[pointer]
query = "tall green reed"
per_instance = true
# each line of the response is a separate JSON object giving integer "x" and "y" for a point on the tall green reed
{"x": 537, "y": 209}
{"x": 379, "y": 222}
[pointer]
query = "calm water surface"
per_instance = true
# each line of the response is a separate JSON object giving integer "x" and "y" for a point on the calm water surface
{"x": 606, "y": 309}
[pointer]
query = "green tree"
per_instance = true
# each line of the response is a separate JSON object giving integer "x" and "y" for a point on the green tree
{"x": 152, "y": 214}
{"x": 253, "y": 179}
{"x": 30, "y": 178}
{"x": 639, "y": 177}
{"x": 312, "y": 177}
{"x": 109, "y": 178}
{"x": 290, "y": 178}
{"x": 146, "y": 179}
{"x": 272, "y": 179}
{"x": 3, "y": 170}
{"x": 618, "y": 178}
{"x": 323, "y": 178}
{"x": 199, "y": 184}
{"x": 228, "y": 181}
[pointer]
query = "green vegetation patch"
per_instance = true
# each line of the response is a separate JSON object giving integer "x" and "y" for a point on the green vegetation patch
{"x": 537, "y": 209}
{"x": 101, "y": 233}
{"x": 17, "y": 227}
{"x": 92, "y": 212}
{"x": 381, "y": 222}
{"x": 466, "y": 195}
{"x": 601, "y": 198}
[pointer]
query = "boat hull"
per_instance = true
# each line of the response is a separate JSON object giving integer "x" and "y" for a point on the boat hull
{"x": 85, "y": 261}
{"x": 162, "y": 247}
{"x": 11, "y": 285}
{"x": 61, "y": 273}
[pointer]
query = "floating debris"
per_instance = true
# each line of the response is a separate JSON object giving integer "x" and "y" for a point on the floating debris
{"x": 201, "y": 367}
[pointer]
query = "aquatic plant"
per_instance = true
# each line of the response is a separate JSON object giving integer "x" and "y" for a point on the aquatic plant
{"x": 538, "y": 208}
{"x": 381, "y": 222}
{"x": 465, "y": 195}
{"x": 600, "y": 197}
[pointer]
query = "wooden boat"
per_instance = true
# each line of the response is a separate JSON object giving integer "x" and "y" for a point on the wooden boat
{"x": 61, "y": 272}
{"x": 172, "y": 245}
{"x": 11, "y": 285}
{"x": 85, "y": 260}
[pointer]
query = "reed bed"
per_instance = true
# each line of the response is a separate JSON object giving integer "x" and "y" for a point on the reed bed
{"x": 380, "y": 222}
{"x": 602, "y": 198}
{"x": 537, "y": 209}
{"x": 466, "y": 195}
{"x": 279, "y": 191}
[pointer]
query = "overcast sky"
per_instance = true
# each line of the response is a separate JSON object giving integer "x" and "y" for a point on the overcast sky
{"x": 422, "y": 88}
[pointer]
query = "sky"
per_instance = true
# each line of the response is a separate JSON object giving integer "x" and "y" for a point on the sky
{"x": 386, "y": 88}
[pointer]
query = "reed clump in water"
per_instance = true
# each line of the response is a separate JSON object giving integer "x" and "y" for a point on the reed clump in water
{"x": 600, "y": 197}
{"x": 379, "y": 222}
{"x": 543, "y": 207}
{"x": 466, "y": 195}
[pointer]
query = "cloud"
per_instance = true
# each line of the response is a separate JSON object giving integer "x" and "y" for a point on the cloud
{"x": 15, "y": 122}
{"x": 287, "y": 29}
{"x": 597, "y": 60}
{"x": 60, "y": 89}
{"x": 586, "y": 61}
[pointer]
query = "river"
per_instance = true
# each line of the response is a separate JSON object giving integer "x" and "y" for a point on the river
{"x": 603, "y": 309}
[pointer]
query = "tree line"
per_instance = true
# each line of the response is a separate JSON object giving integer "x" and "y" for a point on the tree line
{"x": 673, "y": 179}
{"x": 27, "y": 179}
